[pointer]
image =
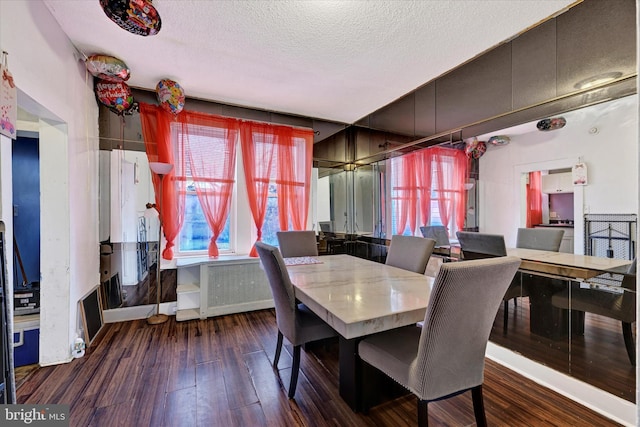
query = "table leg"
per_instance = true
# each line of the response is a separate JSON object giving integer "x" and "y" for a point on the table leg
{"x": 545, "y": 319}
{"x": 378, "y": 387}
{"x": 349, "y": 379}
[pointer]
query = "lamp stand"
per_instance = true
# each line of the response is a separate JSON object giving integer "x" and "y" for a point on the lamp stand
{"x": 158, "y": 318}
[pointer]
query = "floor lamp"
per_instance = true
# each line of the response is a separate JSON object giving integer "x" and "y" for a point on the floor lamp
{"x": 160, "y": 169}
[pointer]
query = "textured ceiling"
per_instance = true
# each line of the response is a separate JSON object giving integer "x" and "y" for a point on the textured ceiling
{"x": 334, "y": 60}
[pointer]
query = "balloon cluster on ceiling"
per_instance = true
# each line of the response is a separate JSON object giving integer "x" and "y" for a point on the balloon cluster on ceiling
{"x": 138, "y": 17}
{"x": 474, "y": 149}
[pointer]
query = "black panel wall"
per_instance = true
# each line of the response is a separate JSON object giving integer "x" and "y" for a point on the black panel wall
{"x": 596, "y": 37}
{"x": 537, "y": 67}
{"x": 475, "y": 91}
{"x": 396, "y": 117}
{"x": 425, "y": 120}
{"x": 534, "y": 65}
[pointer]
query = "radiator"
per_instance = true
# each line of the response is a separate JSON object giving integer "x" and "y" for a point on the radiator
{"x": 234, "y": 287}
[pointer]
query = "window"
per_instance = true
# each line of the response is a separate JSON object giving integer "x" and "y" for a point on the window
{"x": 203, "y": 173}
{"x": 446, "y": 169}
{"x": 280, "y": 164}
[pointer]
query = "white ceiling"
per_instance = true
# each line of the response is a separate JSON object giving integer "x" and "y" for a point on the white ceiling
{"x": 334, "y": 60}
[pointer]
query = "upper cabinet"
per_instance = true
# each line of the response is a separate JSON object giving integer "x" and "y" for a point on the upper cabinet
{"x": 557, "y": 183}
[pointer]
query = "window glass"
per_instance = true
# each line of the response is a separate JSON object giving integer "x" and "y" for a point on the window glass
{"x": 195, "y": 233}
{"x": 271, "y": 222}
{"x": 434, "y": 215}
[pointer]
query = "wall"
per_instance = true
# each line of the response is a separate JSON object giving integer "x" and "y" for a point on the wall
{"x": 611, "y": 156}
{"x": 55, "y": 86}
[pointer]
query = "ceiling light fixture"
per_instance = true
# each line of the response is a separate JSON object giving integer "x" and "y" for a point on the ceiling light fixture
{"x": 598, "y": 80}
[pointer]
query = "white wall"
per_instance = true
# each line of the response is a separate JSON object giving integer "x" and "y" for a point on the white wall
{"x": 55, "y": 86}
{"x": 611, "y": 155}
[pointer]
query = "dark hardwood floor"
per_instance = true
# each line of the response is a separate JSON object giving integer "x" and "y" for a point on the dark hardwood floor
{"x": 217, "y": 372}
{"x": 597, "y": 357}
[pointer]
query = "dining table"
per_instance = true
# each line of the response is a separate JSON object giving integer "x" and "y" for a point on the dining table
{"x": 358, "y": 297}
{"x": 563, "y": 265}
{"x": 548, "y": 272}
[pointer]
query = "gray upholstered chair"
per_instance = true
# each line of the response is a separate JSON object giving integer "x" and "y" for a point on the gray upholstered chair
{"x": 544, "y": 239}
{"x": 446, "y": 356}
{"x": 616, "y": 302}
{"x": 474, "y": 245}
{"x": 295, "y": 321}
{"x": 410, "y": 253}
{"x": 438, "y": 233}
{"x": 297, "y": 243}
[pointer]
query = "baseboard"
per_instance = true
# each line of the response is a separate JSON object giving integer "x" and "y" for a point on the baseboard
{"x": 137, "y": 312}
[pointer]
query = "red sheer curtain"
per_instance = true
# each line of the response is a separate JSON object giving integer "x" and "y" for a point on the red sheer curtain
{"x": 157, "y": 131}
{"x": 258, "y": 148}
{"x": 295, "y": 160}
{"x": 210, "y": 144}
{"x": 450, "y": 168}
{"x": 403, "y": 187}
{"x": 424, "y": 185}
{"x": 534, "y": 199}
{"x": 284, "y": 154}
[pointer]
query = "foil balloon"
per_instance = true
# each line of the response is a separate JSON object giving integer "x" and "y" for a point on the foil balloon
{"x": 107, "y": 68}
{"x": 114, "y": 95}
{"x": 170, "y": 96}
{"x": 499, "y": 140}
{"x": 475, "y": 149}
{"x": 554, "y": 123}
{"x": 136, "y": 16}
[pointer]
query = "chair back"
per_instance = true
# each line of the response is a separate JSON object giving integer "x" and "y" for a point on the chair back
{"x": 544, "y": 239}
{"x": 481, "y": 245}
{"x": 281, "y": 288}
{"x": 437, "y": 233}
{"x": 297, "y": 243}
{"x": 325, "y": 226}
{"x": 462, "y": 307}
{"x": 410, "y": 253}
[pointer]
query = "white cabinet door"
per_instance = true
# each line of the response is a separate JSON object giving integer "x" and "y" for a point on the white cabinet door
{"x": 565, "y": 182}
{"x": 557, "y": 183}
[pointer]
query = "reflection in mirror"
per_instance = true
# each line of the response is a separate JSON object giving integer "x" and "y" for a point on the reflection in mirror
{"x": 129, "y": 231}
{"x": 332, "y": 200}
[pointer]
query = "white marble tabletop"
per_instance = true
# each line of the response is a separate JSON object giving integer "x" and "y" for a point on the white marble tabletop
{"x": 573, "y": 260}
{"x": 570, "y": 265}
{"x": 358, "y": 297}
